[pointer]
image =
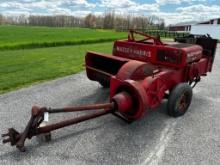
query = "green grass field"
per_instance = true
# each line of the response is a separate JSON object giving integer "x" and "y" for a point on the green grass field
{"x": 21, "y": 37}
{"x": 23, "y": 67}
{"x": 20, "y": 68}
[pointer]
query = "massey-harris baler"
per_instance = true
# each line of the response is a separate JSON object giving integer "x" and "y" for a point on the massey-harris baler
{"x": 140, "y": 74}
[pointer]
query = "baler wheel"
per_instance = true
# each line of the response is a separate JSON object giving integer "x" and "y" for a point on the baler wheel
{"x": 179, "y": 100}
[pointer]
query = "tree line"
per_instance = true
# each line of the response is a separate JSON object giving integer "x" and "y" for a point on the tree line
{"x": 109, "y": 20}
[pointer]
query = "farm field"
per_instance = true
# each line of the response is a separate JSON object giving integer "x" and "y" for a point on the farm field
{"x": 22, "y": 37}
{"x": 34, "y": 54}
{"x": 19, "y": 68}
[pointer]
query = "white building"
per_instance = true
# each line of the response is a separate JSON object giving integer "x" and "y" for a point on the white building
{"x": 211, "y": 27}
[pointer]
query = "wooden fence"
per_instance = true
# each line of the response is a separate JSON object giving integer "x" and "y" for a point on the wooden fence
{"x": 161, "y": 33}
{"x": 166, "y": 34}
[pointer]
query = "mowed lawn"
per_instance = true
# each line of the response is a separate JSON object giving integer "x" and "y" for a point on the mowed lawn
{"x": 20, "y": 68}
{"x": 21, "y": 37}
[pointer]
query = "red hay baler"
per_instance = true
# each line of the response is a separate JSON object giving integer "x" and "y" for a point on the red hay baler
{"x": 140, "y": 74}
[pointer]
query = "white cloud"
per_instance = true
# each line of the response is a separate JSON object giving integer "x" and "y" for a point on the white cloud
{"x": 117, "y": 4}
{"x": 59, "y": 6}
{"x": 128, "y": 6}
{"x": 164, "y": 2}
{"x": 191, "y": 13}
{"x": 16, "y": 13}
{"x": 144, "y": 8}
{"x": 64, "y": 11}
{"x": 78, "y": 3}
{"x": 173, "y": 18}
{"x": 214, "y": 9}
{"x": 59, "y": 11}
{"x": 29, "y": 4}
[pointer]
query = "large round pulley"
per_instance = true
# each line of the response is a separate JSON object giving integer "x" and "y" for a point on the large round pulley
{"x": 155, "y": 90}
{"x": 131, "y": 100}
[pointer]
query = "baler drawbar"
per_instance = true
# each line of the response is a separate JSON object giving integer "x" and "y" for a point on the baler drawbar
{"x": 140, "y": 74}
{"x": 33, "y": 127}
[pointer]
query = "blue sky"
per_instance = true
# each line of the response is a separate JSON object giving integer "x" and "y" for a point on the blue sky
{"x": 172, "y": 11}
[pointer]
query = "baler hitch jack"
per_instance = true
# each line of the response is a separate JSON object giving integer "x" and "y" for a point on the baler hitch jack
{"x": 33, "y": 127}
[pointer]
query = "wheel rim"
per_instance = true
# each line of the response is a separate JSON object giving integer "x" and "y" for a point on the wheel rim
{"x": 182, "y": 102}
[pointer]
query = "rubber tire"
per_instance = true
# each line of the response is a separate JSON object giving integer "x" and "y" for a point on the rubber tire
{"x": 174, "y": 97}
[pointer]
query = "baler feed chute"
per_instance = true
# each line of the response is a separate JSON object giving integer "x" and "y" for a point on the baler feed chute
{"x": 101, "y": 67}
